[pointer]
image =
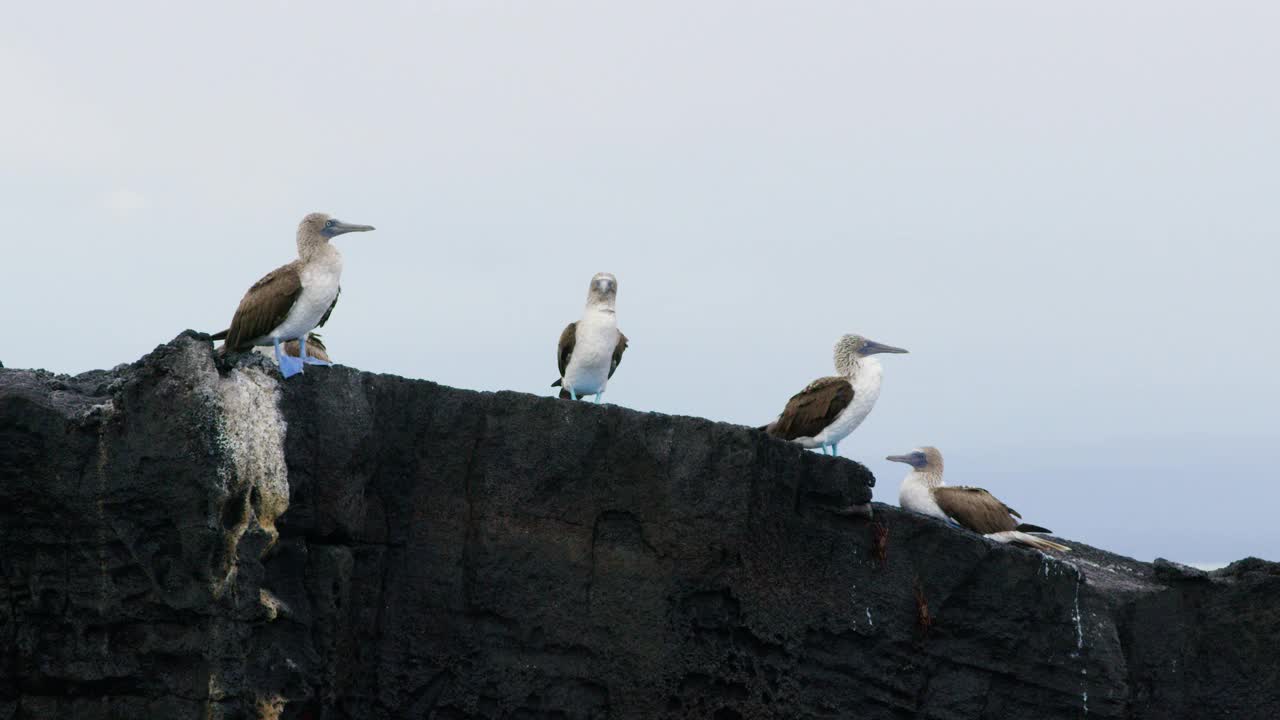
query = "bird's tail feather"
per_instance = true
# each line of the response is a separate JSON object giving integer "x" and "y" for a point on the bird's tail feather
{"x": 220, "y": 335}
{"x": 1022, "y": 538}
{"x": 556, "y": 383}
{"x": 1028, "y": 527}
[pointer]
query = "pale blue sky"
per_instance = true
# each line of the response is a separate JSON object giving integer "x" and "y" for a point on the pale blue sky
{"x": 1065, "y": 210}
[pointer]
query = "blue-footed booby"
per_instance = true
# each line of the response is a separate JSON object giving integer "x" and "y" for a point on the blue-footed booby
{"x": 293, "y": 299}
{"x": 830, "y": 408}
{"x": 974, "y": 508}
{"x": 591, "y": 349}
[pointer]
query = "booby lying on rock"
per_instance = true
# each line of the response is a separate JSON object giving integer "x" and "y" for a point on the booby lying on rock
{"x": 591, "y": 348}
{"x": 293, "y": 299}
{"x": 315, "y": 349}
{"x": 830, "y": 408}
{"x": 974, "y": 508}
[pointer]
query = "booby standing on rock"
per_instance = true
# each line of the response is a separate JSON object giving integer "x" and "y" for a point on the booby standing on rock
{"x": 830, "y": 408}
{"x": 974, "y": 508}
{"x": 293, "y": 299}
{"x": 591, "y": 348}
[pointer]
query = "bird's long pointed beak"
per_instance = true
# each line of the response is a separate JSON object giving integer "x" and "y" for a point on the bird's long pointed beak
{"x": 341, "y": 228}
{"x": 872, "y": 347}
{"x": 899, "y": 458}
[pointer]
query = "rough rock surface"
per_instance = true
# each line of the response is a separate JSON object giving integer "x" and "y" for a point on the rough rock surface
{"x": 407, "y": 550}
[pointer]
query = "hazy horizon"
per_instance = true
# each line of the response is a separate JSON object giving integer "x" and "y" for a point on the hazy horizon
{"x": 1065, "y": 212}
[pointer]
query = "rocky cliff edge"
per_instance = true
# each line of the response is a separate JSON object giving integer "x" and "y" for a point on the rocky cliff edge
{"x": 180, "y": 538}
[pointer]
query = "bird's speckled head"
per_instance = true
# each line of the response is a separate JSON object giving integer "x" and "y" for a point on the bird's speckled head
{"x": 317, "y": 228}
{"x": 313, "y": 224}
{"x": 603, "y": 290}
{"x": 924, "y": 459}
{"x": 851, "y": 348}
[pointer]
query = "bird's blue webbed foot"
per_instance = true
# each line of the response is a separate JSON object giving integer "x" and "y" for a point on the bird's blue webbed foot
{"x": 572, "y": 395}
{"x": 598, "y": 396}
{"x": 289, "y": 365}
{"x": 307, "y": 359}
{"x": 835, "y": 449}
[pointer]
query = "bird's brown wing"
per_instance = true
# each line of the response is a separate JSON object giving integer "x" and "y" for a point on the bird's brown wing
{"x": 264, "y": 307}
{"x": 329, "y": 312}
{"x": 618, "y": 349}
{"x": 564, "y": 349}
{"x": 813, "y": 409}
{"x": 974, "y": 508}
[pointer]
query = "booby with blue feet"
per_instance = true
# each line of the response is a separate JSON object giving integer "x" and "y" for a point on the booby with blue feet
{"x": 293, "y": 299}
{"x": 830, "y": 408}
{"x": 590, "y": 349}
{"x": 923, "y": 491}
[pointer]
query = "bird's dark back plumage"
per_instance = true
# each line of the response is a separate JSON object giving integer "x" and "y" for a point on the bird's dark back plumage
{"x": 975, "y": 509}
{"x": 811, "y": 410}
{"x": 264, "y": 307}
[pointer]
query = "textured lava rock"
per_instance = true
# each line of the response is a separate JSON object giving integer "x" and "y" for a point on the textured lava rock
{"x": 183, "y": 538}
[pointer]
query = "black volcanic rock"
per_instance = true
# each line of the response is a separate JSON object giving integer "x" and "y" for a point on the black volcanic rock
{"x": 407, "y": 550}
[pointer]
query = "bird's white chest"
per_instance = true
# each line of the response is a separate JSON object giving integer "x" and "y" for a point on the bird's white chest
{"x": 915, "y": 496}
{"x": 594, "y": 342}
{"x": 866, "y": 390}
{"x": 320, "y": 281}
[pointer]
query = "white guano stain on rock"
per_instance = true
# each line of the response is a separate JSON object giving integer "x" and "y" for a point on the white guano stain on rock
{"x": 250, "y": 434}
{"x": 1078, "y": 617}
